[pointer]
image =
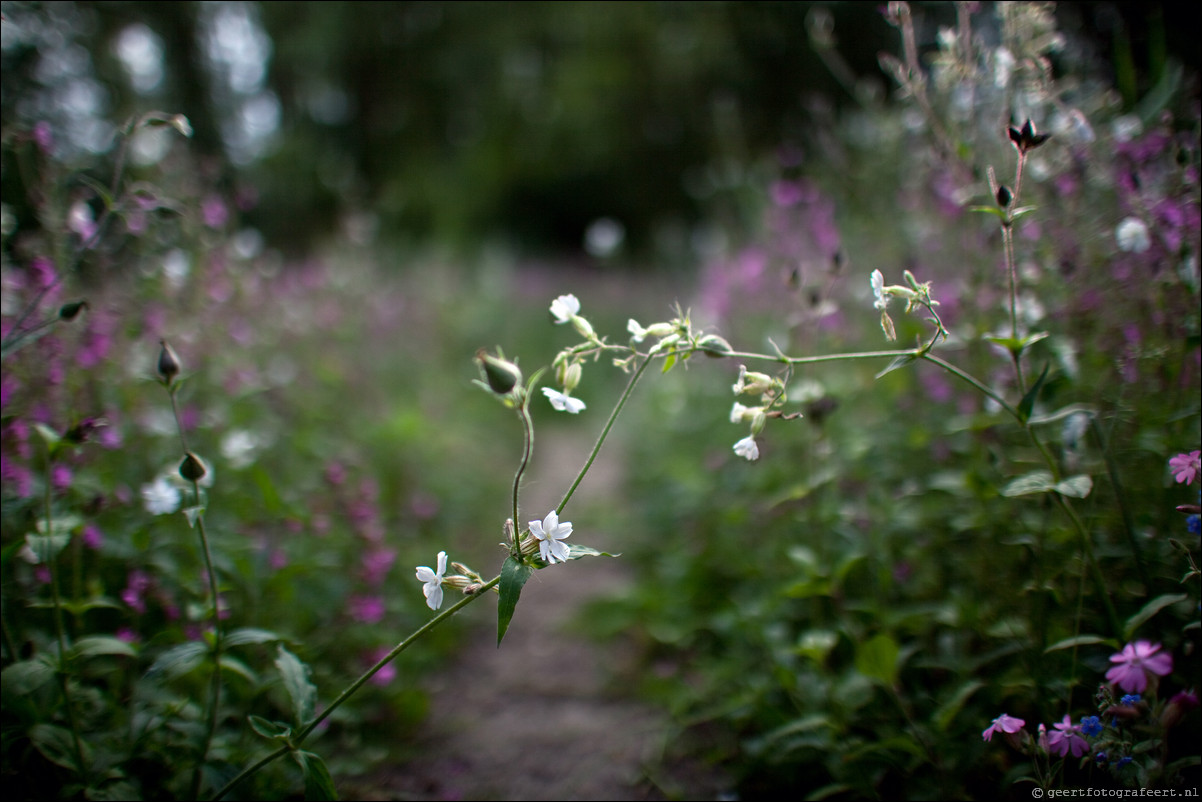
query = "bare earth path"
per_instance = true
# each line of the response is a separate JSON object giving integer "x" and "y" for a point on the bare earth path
{"x": 540, "y": 718}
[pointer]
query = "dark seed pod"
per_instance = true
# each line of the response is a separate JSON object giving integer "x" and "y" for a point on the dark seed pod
{"x": 192, "y": 468}
{"x": 1004, "y": 196}
{"x": 69, "y": 311}
{"x": 168, "y": 366}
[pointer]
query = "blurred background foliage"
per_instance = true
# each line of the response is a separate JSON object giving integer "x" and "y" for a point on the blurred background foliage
{"x": 478, "y": 124}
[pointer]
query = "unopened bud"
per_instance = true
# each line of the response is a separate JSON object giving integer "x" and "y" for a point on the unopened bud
{"x": 192, "y": 468}
{"x": 502, "y": 375}
{"x": 1004, "y": 196}
{"x": 714, "y": 346}
{"x": 168, "y": 363}
{"x": 569, "y": 376}
{"x": 82, "y": 432}
{"x": 584, "y": 327}
{"x": 69, "y": 311}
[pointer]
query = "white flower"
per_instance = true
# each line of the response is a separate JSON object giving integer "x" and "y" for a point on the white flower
{"x": 747, "y": 448}
{"x": 878, "y": 290}
{"x": 160, "y": 497}
{"x": 1132, "y": 235}
{"x": 738, "y": 413}
{"x": 550, "y": 532}
{"x": 637, "y": 332}
{"x": 565, "y": 307}
{"x": 433, "y": 581}
{"x": 564, "y": 403}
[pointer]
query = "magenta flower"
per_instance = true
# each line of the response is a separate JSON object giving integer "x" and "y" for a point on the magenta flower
{"x": 366, "y": 609}
{"x": 1186, "y": 467}
{"x": 1135, "y": 662}
{"x": 1003, "y": 723}
{"x": 1066, "y": 739}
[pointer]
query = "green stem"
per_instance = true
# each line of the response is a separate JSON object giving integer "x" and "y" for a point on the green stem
{"x": 354, "y": 686}
{"x": 1128, "y": 524}
{"x": 613, "y": 416}
{"x": 528, "y": 449}
{"x": 215, "y": 683}
{"x": 59, "y": 629}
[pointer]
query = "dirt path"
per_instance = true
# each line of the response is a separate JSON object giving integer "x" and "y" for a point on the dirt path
{"x": 541, "y": 718}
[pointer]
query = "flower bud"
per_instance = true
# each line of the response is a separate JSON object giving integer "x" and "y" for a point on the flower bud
{"x": 714, "y": 346}
{"x": 1004, "y": 196}
{"x": 570, "y": 376}
{"x": 82, "y": 431}
{"x": 584, "y": 327}
{"x": 192, "y": 468}
{"x": 69, "y": 311}
{"x": 168, "y": 366}
{"x": 660, "y": 329}
{"x": 502, "y": 375}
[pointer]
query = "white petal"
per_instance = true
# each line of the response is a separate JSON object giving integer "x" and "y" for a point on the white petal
{"x": 433, "y": 596}
{"x": 747, "y": 448}
{"x": 424, "y": 574}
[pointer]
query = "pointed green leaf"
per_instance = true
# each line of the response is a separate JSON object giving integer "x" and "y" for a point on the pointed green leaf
{"x": 1075, "y": 486}
{"x": 246, "y": 635}
{"x": 99, "y": 644}
{"x": 1062, "y": 413}
{"x": 576, "y": 551}
{"x": 1028, "y": 403}
{"x": 50, "y": 436}
{"x": 318, "y": 783}
{"x": 58, "y": 746}
{"x": 46, "y": 547}
{"x": 194, "y": 514}
{"x": 513, "y": 577}
{"x": 271, "y": 730}
{"x": 993, "y": 210}
{"x": 899, "y": 362}
{"x": 948, "y": 711}
{"x": 301, "y": 690}
{"x": 669, "y": 361}
{"x": 877, "y": 659}
{"x": 1150, "y": 609}
{"x": 26, "y": 676}
{"x": 179, "y": 660}
{"x": 1034, "y": 482}
{"x": 1080, "y": 640}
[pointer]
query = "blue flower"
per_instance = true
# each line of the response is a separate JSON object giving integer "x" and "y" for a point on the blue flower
{"x": 1129, "y": 699}
{"x": 1123, "y": 761}
{"x": 1194, "y": 524}
{"x": 1091, "y": 726}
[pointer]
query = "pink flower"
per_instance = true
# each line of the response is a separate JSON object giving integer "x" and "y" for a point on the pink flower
{"x": 1003, "y": 723}
{"x": 1186, "y": 467}
{"x": 1066, "y": 740}
{"x": 367, "y": 609}
{"x": 1135, "y": 662}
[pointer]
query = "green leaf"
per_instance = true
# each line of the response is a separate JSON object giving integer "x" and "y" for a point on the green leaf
{"x": 46, "y": 547}
{"x": 102, "y": 644}
{"x": 1034, "y": 482}
{"x": 57, "y": 746}
{"x": 951, "y": 708}
{"x": 877, "y": 659}
{"x": 1016, "y": 345}
{"x": 1075, "y": 486}
{"x": 1080, "y": 640}
{"x": 576, "y": 551}
{"x": 513, "y": 577}
{"x": 1028, "y": 403}
{"x": 245, "y": 635}
{"x": 271, "y": 730}
{"x": 179, "y": 660}
{"x": 1062, "y": 413}
{"x": 193, "y": 514}
{"x": 301, "y": 691}
{"x": 1150, "y": 609}
{"x": 993, "y": 210}
{"x": 669, "y": 361}
{"x": 26, "y": 676}
{"x": 318, "y": 783}
{"x": 899, "y": 362}
{"x": 50, "y": 436}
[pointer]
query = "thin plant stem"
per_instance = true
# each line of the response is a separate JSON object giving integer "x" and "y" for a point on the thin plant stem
{"x": 350, "y": 690}
{"x": 59, "y": 628}
{"x": 527, "y": 450}
{"x": 215, "y": 683}
{"x": 613, "y": 416}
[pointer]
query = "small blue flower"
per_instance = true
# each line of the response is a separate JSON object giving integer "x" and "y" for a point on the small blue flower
{"x": 1194, "y": 524}
{"x": 1091, "y": 726}
{"x": 1123, "y": 761}
{"x": 1129, "y": 699}
{"x": 1100, "y": 757}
